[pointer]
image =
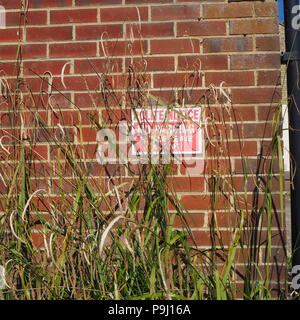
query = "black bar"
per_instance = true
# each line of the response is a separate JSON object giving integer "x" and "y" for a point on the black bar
{"x": 292, "y": 38}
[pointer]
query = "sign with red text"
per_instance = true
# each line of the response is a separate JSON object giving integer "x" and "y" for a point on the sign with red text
{"x": 175, "y": 131}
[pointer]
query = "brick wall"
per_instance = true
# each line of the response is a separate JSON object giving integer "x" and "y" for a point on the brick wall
{"x": 216, "y": 41}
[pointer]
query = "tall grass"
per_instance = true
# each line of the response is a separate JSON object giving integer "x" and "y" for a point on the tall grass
{"x": 70, "y": 232}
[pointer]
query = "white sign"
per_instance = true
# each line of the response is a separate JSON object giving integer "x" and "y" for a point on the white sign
{"x": 176, "y": 131}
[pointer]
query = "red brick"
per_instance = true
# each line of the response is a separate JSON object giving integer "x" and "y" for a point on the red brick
{"x": 201, "y": 28}
{"x": 123, "y": 14}
{"x": 243, "y": 113}
{"x": 10, "y": 4}
{"x": 70, "y": 118}
{"x": 268, "y": 78}
{"x": 254, "y": 130}
{"x": 28, "y": 51}
{"x": 248, "y": 148}
{"x": 96, "y": 2}
{"x": 73, "y": 16}
{"x": 177, "y": 80}
{"x": 39, "y": 67}
{"x": 266, "y": 9}
{"x": 77, "y": 83}
{"x": 95, "y": 32}
{"x": 78, "y": 49}
{"x": 208, "y": 62}
{"x": 239, "y": 166}
{"x": 192, "y": 167}
{"x": 174, "y": 12}
{"x": 40, "y": 152}
{"x": 202, "y": 238}
{"x": 9, "y": 35}
{"x": 196, "y": 202}
{"x": 8, "y": 69}
{"x": 186, "y": 184}
{"x": 98, "y": 65}
{"x": 60, "y": 101}
{"x": 175, "y": 46}
{"x": 37, "y": 239}
{"x": 49, "y": 3}
{"x": 49, "y": 33}
{"x": 85, "y": 100}
{"x": 147, "y": 1}
{"x": 255, "y": 61}
{"x": 268, "y": 43}
{"x": 90, "y": 135}
{"x": 35, "y": 84}
{"x": 146, "y": 30}
{"x": 115, "y": 116}
{"x": 227, "y": 44}
{"x": 234, "y": 149}
{"x": 255, "y": 95}
{"x": 230, "y": 10}
{"x": 123, "y": 47}
{"x": 198, "y": 1}
{"x": 33, "y": 18}
{"x": 230, "y": 78}
{"x": 254, "y": 26}
{"x": 194, "y": 220}
{"x": 152, "y": 63}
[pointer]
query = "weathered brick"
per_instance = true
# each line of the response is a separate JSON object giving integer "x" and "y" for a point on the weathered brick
{"x": 268, "y": 78}
{"x": 186, "y": 184}
{"x": 254, "y": 26}
{"x": 49, "y": 3}
{"x": 245, "y": 78}
{"x": 207, "y": 62}
{"x": 97, "y": 65}
{"x": 195, "y": 220}
{"x": 28, "y": 51}
{"x": 175, "y": 46}
{"x": 121, "y": 47}
{"x": 8, "y": 69}
{"x": 196, "y": 202}
{"x": 227, "y": 44}
{"x": 267, "y": 9}
{"x": 10, "y": 4}
{"x": 201, "y": 28}
{"x": 9, "y": 35}
{"x": 145, "y": 30}
{"x": 147, "y": 1}
{"x": 255, "y": 61}
{"x": 152, "y": 63}
{"x": 255, "y": 95}
{"x": 39, "y": 67}
{"x": 32, "y": 18}
{"x": 96, "y": 2}
{"x": 268, "y": 43}
{"x": 96, "y": 31}
{"x": 230, "y": 10}
{"x": 49, "y": 33}
{"x": 174, "y": 12}
{"x": 121, "y": 14}
{"x": 73, "y": 16}
{"x": 177, "y": 80}
{"x": 71, "y": 49}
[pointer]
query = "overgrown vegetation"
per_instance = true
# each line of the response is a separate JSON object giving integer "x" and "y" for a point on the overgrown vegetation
{"x": 71, "y": 232}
